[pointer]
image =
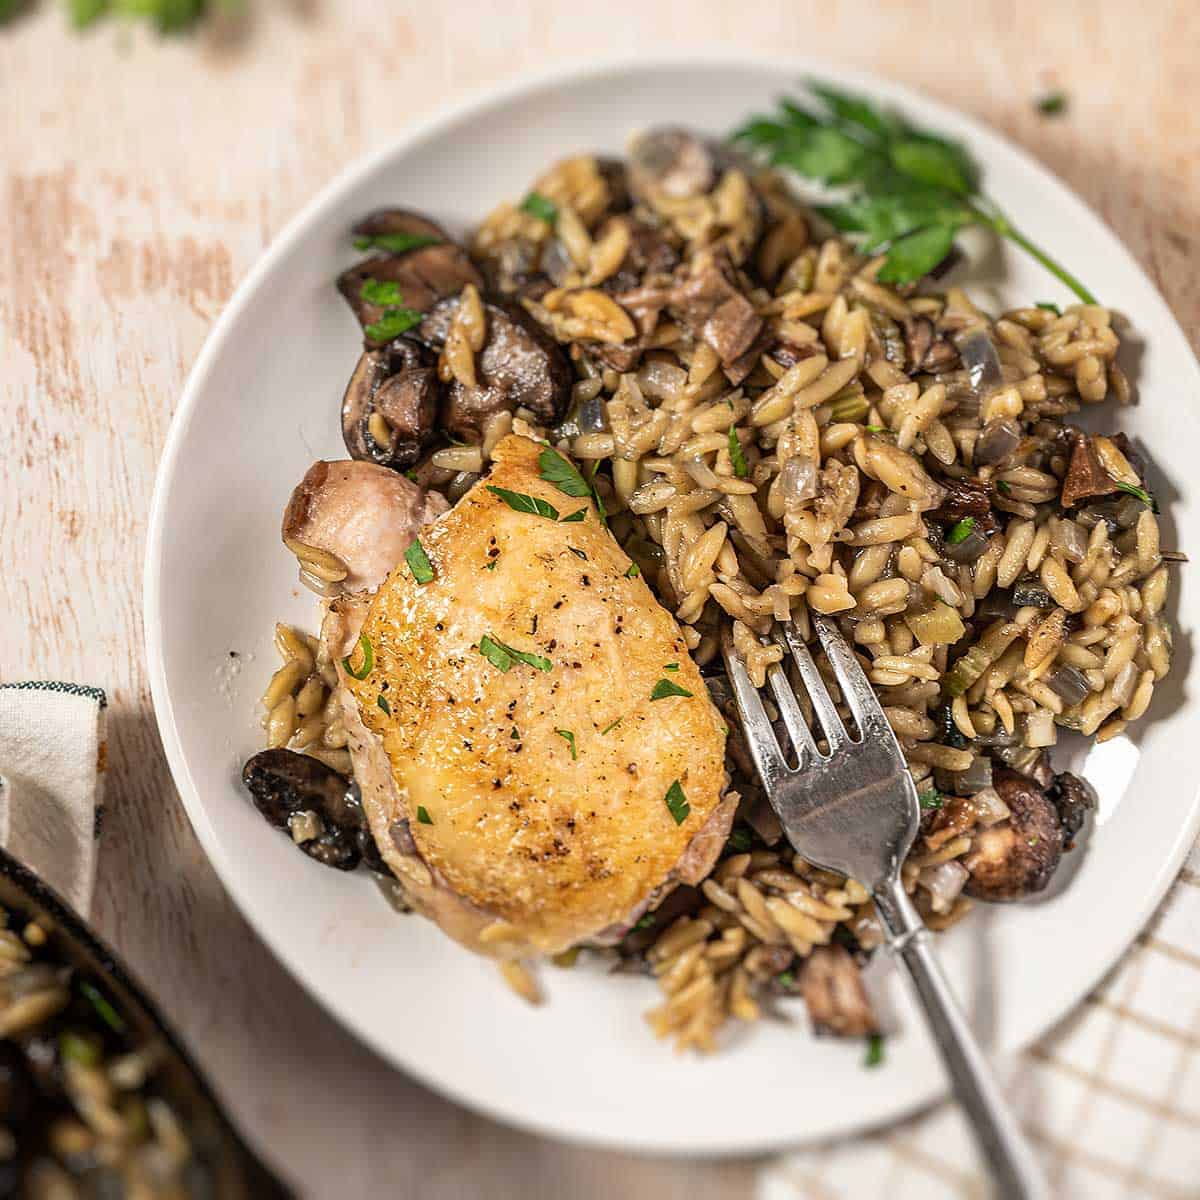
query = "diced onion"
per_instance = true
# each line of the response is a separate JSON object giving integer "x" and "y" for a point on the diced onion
{"x": 997, "y": 440}
{"x": 989, "y": 808}
{"x": 978, "y": 353}
{"x": 944, "y": 883}
{"x": 798, "y": 480}
{"x": 1069, "y": 683}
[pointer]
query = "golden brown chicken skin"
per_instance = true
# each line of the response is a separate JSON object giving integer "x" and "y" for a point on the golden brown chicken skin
{"x": 518, "y": 775}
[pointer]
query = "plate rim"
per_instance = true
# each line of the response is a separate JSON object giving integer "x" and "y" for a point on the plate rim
{"x": 477, "y": 101}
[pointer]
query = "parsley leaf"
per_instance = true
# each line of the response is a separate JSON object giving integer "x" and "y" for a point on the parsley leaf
{"x": 392, "y": 324}
{"x": 1004, "y": 487}
{"x": 542, "y": 207}
{"x": 1050, "y": 307}
{"x": 1054, "y": 104}
{"x": 671, "y": 667}
{"x": 520, "y": 502}
{"x": 610, "y": 727}
{"x": 907, "y": 191}
{"x": 382, "y": 701}
{"x": 395, "y": 243}
{"x": 423, "y": 815}
{"x": 490, "y": 565}
{"x": 568, "y": 737}
{"x": 1141, "y": 493}
{"x": 633, "y": 572}
{"x": 107, "y": 1013}
{"x": 786, "y": 979}
{"x": 646, "y": 921}
{"x": 930, "y": 799}
{"x": 664, "y": 688}
{"x": 556, "y": 470}
{"x": 575, "y": 517}
{"x": 503, "y": 657}
{"x": 960, "y": 531}
{"x": 418, "y": 562}
{"x": 368, "y": 659}
{"x": 737, "y": 455}
{"x": 381, "y": 292}
{"x": 676, "y": 803}
{"x": 874, "y": 1055}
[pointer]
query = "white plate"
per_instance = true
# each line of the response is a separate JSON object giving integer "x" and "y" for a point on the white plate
{"x": 262, "y": 403}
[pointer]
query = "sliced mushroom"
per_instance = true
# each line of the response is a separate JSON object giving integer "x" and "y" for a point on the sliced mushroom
{"x": 390, "y": 406}
{"x": 832, "y": 987}
{"x": 285, "y": 784}
{"x": 1086, "y": 476}
{"x": 670, "y": 162}
{"x": 422, "y": 276}
{"x": 519, "y": 366}
{"x": 713, "y": 307}
{"x": 1018, "y": 856}
{"x": 350, "y": 522}
{"x": 968, "y": 498}
{"x": 1074, "y": 799}
{"x": 927, "y": 349}
{"x": 402, "y": 222}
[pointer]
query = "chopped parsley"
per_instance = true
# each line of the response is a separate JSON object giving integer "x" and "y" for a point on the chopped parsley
{"x": 1049, "y": 306}
{"x": 676, "y": 803}
{"x": 930, "y": 799}
{"x": 609, "y": 728}
{"x": 503, "y": 657}
{"x": 1053, "y": 104}
{"x": 1004, "y": 487}
{"x": 491, "y": 566}
{"x": 737, "y": 455}
{"x": 103, "y": 1007}
{"x": 633, "y": 572}
{"x": 557, "y": 471}
{"x": 423, "y": 815}
{"x": 740, "y": 839}
{"x": 960, "y": 531}
{"x": 395, "y": 243}
{"x": 368, "y": 659}
{"x": 646, "y": 921}
{"x": 523, "y": 503}
{"x": 671, "y": 667}
{"x": 515, "y": 734}
{"x": 418, "y": 562}
{"x": 395, "y": 319}
{"x": 786, "y": 979}
{"x": 577, "y": 515}
{"x": 874, "y": 1055}
{"x": 665, "y": 687}
{"x": 542, "y": 207}
{"x": 381, "y": 700}
{"x": 568, "y": 737}
{"x": 877, "y": 429}
{"x": 563, "y": 475}
{"x": 75, "y": 1047}
{"x": 1141, "y": 493}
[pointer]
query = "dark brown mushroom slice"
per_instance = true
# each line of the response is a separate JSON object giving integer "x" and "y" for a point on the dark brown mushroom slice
{"x": 712, "y": 306}
{"x": 616, "y": 176}
{"x": 423, "y": 277}
{"x": 741, "y": 368}
{"x": 398, "y": 384}
{"x": 520, "y": 365}
{"x": 1073, "y": 799}
{"x": 671, "y": 162}
{"x": 968, "y": 498}
{"x": 1086, "y": 476}
{"x": 399, "y": 222}
{"x": 284, "y": 783}
{"x": 928, "y": 350}
{"x": 1018, "y": 856}
{"x": 831, "y": 983}
{"x": 651, "y": 258}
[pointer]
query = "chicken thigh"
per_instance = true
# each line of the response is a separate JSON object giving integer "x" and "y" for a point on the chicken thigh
{"x": 538, "y": 754}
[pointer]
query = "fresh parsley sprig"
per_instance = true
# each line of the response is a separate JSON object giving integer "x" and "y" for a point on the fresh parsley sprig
{"x": 908, "y": 191}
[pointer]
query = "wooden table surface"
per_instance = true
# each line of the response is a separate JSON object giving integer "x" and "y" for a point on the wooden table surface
{"x": 141, "y": 180}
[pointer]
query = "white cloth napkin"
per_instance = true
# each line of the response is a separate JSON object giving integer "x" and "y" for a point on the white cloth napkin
{"x": 1110, "y": 1098}
{"x": 51, "y": 766}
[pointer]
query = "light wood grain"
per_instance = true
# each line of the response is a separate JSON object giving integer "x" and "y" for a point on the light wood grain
{"x": 141, "y": 181}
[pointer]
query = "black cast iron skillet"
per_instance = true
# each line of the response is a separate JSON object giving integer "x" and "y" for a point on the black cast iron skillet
{"x": 235, "y": 1172}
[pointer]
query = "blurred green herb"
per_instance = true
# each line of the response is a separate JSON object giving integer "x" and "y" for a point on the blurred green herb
{"x": 537, "y": 205}
{"x": 1053, "y": 104}
{"x": 906, "y": 191}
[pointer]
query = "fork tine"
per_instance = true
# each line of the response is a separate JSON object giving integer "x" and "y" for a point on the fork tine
{"x": 822, "y": 702}
{"x": 789, "y": 710}
{"x": 856, "y": 689}
{"x": 760, "y": 737}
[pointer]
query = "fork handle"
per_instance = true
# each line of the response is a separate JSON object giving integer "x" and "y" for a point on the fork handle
{"x": 1013, "y": 1168}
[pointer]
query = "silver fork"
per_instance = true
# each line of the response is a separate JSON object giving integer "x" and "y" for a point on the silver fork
{"x": 854, "y": 810}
